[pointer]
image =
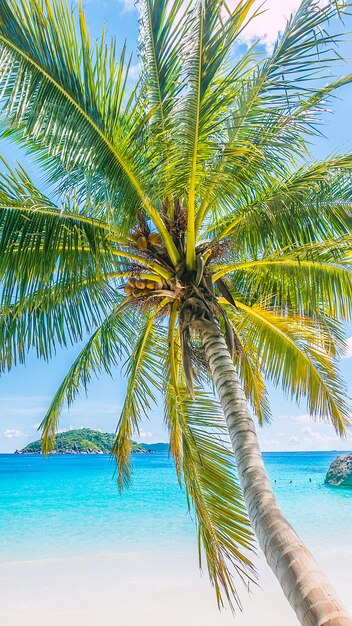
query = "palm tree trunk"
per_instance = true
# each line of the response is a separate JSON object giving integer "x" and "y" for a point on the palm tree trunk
{"x": 304, "y": 584}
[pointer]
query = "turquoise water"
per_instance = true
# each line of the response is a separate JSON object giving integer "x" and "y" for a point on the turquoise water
{"x": 70, "y": 504}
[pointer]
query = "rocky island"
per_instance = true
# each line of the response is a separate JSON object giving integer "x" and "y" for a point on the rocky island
{"x": 83, "y": 441}
{"x": 340, "y": 471}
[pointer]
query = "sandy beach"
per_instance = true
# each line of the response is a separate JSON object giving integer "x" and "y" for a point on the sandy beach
{"x": 150, "y": 588}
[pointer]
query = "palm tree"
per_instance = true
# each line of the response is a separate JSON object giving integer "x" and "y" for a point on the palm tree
{"x": 195, "y": 240}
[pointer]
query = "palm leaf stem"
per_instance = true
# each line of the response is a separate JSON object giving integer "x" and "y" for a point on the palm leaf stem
{"x": 275, "y": 262}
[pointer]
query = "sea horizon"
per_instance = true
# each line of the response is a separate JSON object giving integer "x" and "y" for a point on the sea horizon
{"x": 153, "y": 443}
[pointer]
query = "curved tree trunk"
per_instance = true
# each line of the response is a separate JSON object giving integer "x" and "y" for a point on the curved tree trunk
{"x": 304, "y": 584}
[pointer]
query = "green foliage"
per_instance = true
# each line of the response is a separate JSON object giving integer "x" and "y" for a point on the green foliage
{"x": 100, "y": 354}
{"x": 143, "y": 373}
{"x": 296, "y": 352}
{"x": 79, "y": 441}
{"x": 193, "y": 191}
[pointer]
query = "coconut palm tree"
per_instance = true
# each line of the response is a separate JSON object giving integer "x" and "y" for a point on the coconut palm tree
{"x": 194, "y": 239}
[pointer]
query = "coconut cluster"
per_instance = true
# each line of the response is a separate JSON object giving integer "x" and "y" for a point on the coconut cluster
{"x": 138, "y": 287}
{"x": 143, "y": 241}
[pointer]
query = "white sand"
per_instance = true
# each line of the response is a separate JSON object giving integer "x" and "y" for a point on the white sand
{"x": 153, "y": 589}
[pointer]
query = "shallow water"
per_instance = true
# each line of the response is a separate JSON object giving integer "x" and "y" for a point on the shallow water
{"x": 71, "y": 505}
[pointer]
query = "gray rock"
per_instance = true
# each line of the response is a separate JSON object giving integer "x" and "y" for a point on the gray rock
{"x": 340, "y": 471}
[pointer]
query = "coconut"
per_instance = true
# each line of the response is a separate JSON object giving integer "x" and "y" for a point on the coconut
{"x": 142, "y": 243}
{"x": 154, "y": 239}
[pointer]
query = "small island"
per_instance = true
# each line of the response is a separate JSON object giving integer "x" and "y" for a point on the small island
{"x": 84, "y": 441}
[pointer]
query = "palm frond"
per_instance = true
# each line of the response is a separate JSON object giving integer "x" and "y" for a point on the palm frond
{"x": 254, "y": 385}
{"x": 212, "y": 490}
{"x": 60, "y": 313}
{"x": 298, "y": 206}
{"x": 172, "y": 399}
{"x": 204, "y": 462}
{"x": 144, "y": 378}
{"x": 162, "y": 31}
{"x": 311, "y": 280}
{"x": 101, "y": 354}
{"x": 203, "y": 108}
{"x": 40, "y": 242}
{"x": 278, "y": 105}
{"x": 70, "y": 98}
{"x": 295, "y": 353}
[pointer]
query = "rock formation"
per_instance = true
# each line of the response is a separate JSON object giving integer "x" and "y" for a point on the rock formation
{"x": 340, "y": 471}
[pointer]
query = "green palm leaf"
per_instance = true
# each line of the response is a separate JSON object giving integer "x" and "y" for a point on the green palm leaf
{"x": 58, "y": 314}
{"x": 295, "y": 206}
{"x": 223, "y": 526}
{"x": 210, "y": 40}
{"x": 143, "y": 373}
{"x": 101, "y": 353}
{"x": 52, "y": 88}
{"x": 38, "y": 240}
{"x": 203, "y": 462}
{"x": 295, "y": 352}
{"x": 311, "y": 279}
{"x": 271, "y": 97}
{"x": 253, "y": 383}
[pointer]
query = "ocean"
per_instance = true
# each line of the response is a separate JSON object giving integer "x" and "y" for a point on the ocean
{"x": 70, "y": 505}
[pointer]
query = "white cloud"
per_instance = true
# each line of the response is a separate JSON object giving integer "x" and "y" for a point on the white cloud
{"x": 300, "y": 432}
{"x": 305, "y": 418}
{"x": 128, "y": 5}
{"x": 143, "y": 435}
{"x": 13, "y": 433}
{"x": 294, "y": 441}
{"x": 317, "y": 437}
{"x": 270, "y": 21}
{"x": 134, "y": 71}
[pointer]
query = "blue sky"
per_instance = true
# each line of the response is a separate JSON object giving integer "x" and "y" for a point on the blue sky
{"x": 25, "y": 392}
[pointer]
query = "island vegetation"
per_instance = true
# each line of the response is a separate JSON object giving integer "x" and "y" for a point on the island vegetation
{"x": 83, "y": 441}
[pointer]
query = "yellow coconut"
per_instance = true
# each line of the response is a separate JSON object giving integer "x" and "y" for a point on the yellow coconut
{"x": 155, "y": 239}
{"x": 140, "y": 284}
{"x": 142, "y": 243}
{"x": 150, "y": 284}
{"x": 127, "y": 289}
